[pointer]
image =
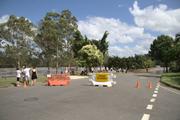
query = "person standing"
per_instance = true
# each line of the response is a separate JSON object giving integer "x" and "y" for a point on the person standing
{"x": 18, "y": 76}
{"x": 34, "y": 76}
{"x": 26, "y": 77}
{"x": 23, "y": 76}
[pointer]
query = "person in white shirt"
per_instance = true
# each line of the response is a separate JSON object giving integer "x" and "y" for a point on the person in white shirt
{"x": 26, "y": 75}
{"x": 18, "y": 76}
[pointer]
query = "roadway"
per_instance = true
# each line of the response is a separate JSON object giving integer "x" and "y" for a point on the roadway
{"x": 81, "y": 101}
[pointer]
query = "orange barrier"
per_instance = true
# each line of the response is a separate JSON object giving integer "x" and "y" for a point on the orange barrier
{"x": 149, "y": 84}
{"x": 138, "y": 84}
{"x": 59, "y": 80}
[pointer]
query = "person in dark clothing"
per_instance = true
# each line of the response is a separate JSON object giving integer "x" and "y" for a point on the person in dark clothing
{"x": 34, "y": 76}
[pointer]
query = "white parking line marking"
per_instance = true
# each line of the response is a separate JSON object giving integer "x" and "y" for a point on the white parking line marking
{"x": 154, "y": 95}
{"x": 149, "y": 107}
{"x": 152, "y": 100}
{"x": 156, "y": 88}
{"x": 155, "y": 91}
{"x": 145, "y": 117}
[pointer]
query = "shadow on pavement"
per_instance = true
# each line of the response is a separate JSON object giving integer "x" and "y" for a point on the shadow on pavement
{"x": 86, "y": 85}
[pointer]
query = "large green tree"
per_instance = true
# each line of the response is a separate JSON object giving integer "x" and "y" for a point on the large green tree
{"x": 90, "y": 56}
{"x": 18, "y": 33}
{"x": 161, "y": 50}
{"x": 56, "y": 32}
{"x": 177, "y": 51}
{"x": 78, "y": 42}
{"x": 68, "y": 28}
{"x": 48, "y": 37}
{"x": 103, "y": 45}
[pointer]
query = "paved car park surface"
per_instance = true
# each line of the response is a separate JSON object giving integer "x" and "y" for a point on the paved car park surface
{"x": 81, "y": 101}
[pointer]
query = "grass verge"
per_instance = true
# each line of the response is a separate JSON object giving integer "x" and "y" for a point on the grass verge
{"x": 11, "y": 81}
{"x": 171, "y": 79}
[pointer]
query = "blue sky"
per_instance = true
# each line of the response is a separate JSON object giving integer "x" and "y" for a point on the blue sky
{"x": 132, "y": 24}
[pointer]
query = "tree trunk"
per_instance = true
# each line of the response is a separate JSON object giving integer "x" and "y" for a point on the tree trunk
{"x": 167, "y": 69}
{"x": 164, "y": 69}
{"x": 106, "y": 68}
{"x": 126, "y": 70}
{"x": 48, "y": 66}
{"x": 18, "y": 64}
{"x": 100, "y": 68}
{"x": 57, "y": 59}
{"x": 48, "y": 70}
{"x": 69, "y": 68}
{"x": 57, "y": 67}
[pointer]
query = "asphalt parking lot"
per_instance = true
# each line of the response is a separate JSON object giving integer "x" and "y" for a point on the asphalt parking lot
{"x": 82, "y": 101}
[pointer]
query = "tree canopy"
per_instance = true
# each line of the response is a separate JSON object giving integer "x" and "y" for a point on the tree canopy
{"x": 161, "y": 50}
{"x": 90, "y": 56}
{"x": 17, "y": 32}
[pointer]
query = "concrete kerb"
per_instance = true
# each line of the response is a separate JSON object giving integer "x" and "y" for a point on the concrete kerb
{"x": 170, "y": 85}
{"x": 78, "y": 77}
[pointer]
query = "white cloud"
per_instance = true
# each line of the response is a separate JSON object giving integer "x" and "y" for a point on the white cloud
{"x": 160, "y": 18}
{"x": 127, "y": 51}
{"x": 94, "y": 27}
{"x": 124, "y": 40}
{"x": 4, "y": 19}
{"x": 120, "y": 51}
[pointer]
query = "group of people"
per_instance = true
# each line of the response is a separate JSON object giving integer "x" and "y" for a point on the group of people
{"x": 25, "y": 74}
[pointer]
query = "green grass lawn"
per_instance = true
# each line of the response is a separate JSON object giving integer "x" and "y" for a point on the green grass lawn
{"x": 11, "y": 81}
{"x": 5, "y": 82}
{"x": 173, "y": 79}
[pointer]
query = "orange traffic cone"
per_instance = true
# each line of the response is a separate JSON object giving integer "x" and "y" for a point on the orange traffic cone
{"x": 138, "y": 84}
{"x": 149, "y": 84}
